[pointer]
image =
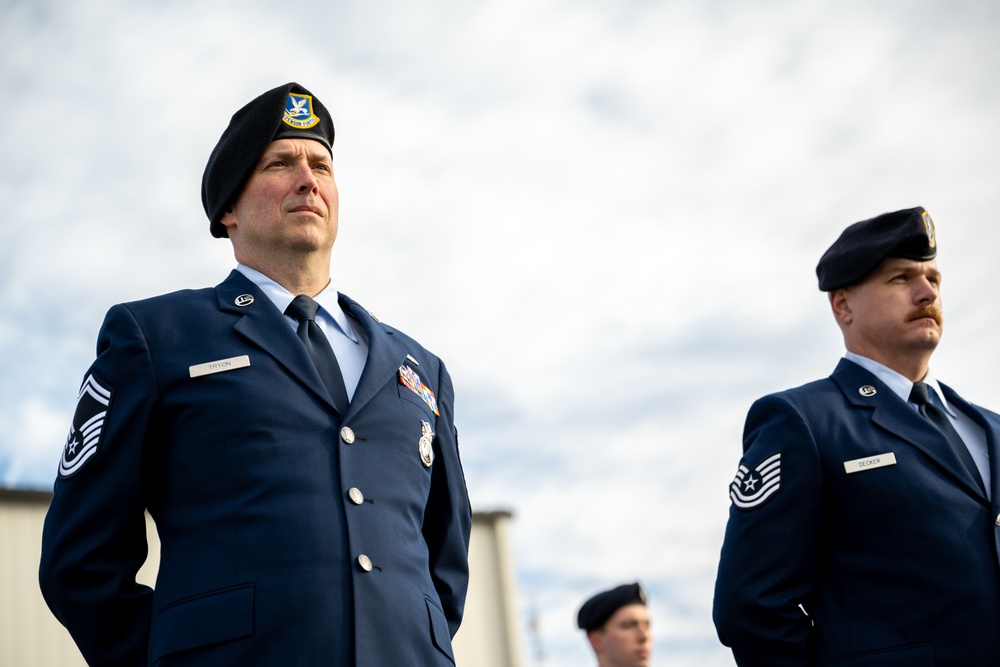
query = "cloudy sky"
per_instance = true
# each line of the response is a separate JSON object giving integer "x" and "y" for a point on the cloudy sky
{"x": 603, "y": 214}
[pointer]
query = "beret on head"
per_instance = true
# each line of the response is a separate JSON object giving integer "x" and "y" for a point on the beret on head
{"x": 598, "y": 609}
{"x": 864, "y": 245}
{"x": 286, "y": 112}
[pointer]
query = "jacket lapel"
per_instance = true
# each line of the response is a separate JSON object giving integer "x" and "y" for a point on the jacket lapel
{"x": 263, "y": 325}
{"x": 992, "y": 437}
{"x": 385, "y": 356}
{"x": 892, "y": 414}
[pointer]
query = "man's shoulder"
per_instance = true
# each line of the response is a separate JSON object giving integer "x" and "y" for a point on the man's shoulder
{"x": 188, "y": 298}
{"x": 171, "y": 298}
{"x": 845, "y": 378}
{"x": 358, "y": 311}
{"x": 817, "y": 403}
{"x": 166, "y": 306}
{"x": 816, "y": 390}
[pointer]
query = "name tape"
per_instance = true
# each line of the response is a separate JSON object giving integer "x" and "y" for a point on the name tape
{"x": 870, "y": 463}
{"x": 230, "y": 364}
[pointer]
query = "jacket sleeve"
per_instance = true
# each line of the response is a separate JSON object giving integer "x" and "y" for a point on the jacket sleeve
{"x": 448, "y": 515}
{"x": 768, "y": 564}
{"x": 94, "y": 538}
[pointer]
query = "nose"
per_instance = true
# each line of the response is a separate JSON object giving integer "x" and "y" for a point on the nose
{"x": 307, "y": 180}
{"x": 926, "y": 292}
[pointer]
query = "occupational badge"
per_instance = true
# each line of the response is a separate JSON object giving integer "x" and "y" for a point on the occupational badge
{"x": 84, "y": 437}
{"x": 424, "y": 445}
{"x": 299, "y": 111}
{"x": 752, "y": 488}
{"x": 409, "y": 378}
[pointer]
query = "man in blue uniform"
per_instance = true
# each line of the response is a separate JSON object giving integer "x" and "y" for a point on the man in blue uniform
{"x": 298, "y": 456}
{"x": 617, "y": 625}
{"x": 865, "y": 520}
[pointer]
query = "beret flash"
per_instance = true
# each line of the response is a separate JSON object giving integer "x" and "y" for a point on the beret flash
{"x": 597, "y": 610}
{"x": 864, "y": 245}
{"x": 286, "y": 112}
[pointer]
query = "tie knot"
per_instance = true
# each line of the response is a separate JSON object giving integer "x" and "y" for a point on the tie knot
{"x": 302, "y": 308}
{"x": 919, "y": 394}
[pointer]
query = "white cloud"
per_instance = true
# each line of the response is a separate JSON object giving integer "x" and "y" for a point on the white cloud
{"x": 604, "y": 216}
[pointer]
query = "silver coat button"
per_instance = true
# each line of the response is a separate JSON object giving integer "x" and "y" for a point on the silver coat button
{"x": 365, "y": 562}
{"x": 998, "y": 520}
{"x": 347, "y": 435}
{"x": 356, "y": 496}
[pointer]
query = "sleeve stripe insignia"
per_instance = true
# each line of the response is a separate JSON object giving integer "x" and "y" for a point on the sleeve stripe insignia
{"x": 88, "y": 426}
{"x": 751, "y": 488}
{"x": 100, "y": 394}
{"x": 409, "y": 378}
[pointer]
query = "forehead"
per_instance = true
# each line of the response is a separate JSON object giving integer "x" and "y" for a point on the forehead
{"x": 902, "y": 264}
{"x": 630, "y": 612}
{"x": 295, "y": 147}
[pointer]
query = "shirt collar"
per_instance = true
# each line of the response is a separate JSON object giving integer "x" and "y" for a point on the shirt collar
{"x": 328, "y": 299}
{"x": 899, "y": 384}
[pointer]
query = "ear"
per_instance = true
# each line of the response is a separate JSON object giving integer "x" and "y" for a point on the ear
{"x": 595, "y": 637}
{"x": 228, "y": 219}
{"x": 840, "y": 304}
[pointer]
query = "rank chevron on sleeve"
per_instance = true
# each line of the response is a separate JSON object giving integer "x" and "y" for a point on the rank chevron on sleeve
{"x": 88, "y": 425}
{"x": 751, "y": 488}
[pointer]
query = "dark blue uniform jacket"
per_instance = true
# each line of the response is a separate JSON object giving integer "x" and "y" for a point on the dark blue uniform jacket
{"x": 290, "y": 534}
{"x": 896, "y": 565}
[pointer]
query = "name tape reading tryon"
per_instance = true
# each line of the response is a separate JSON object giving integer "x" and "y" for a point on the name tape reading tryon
{"x": 880, "y": 461}
{"x": 230, "y": 364}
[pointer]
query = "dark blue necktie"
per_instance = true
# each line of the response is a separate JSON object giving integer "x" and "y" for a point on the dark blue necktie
{"x": 303, "y": 309}
{"x": 928, "y": 404}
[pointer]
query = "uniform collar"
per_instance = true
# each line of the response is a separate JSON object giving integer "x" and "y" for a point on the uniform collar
{"x": 280, "y": 297}
{"x": 899, "y": 384}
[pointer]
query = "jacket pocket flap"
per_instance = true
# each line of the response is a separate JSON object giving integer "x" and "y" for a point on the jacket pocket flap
{"x": 209, "y": 618}
{"x": 440, "y": 634}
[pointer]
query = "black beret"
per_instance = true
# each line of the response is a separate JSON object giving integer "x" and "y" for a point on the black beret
{"x": 864, "y": 245}
{"x": 598, "y": 609}
{"x": 286, "y": 112}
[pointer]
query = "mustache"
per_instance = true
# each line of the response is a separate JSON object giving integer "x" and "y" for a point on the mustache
{"x": 932, "y": 312}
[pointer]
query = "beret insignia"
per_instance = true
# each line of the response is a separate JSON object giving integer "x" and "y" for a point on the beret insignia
{"x": 299, "y": 112}
{"x": 929, "y": 226}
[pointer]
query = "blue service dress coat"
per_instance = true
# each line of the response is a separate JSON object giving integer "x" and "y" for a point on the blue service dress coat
{"x": 895, "y": 563}
{"x": 290, "y": 534}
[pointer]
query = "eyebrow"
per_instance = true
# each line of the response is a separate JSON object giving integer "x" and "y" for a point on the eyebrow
{"x": 908, "y": 268}
{"x": 288, "y": 154}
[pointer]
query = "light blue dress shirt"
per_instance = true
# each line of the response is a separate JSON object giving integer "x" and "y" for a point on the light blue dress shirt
{"x": 346, "y": 335}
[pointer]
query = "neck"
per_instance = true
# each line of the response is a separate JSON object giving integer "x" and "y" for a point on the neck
{"x": 305, "y": 275}
{"x": 911, "y": 366}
